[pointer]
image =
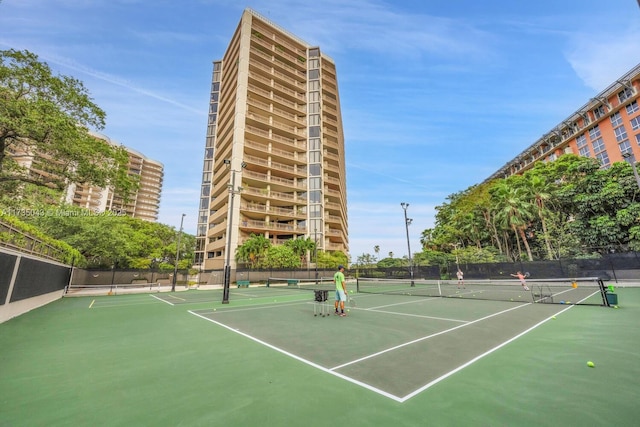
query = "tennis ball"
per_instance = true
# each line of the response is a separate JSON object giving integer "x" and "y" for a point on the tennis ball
{"x": 615, "y": 306}
{"x": 591, "y": 364}
{"x": 348, "y": 310}
{"x": 553, "y": 317}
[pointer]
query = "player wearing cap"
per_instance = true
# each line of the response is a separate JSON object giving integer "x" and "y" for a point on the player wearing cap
{"x": 341, "y": 290}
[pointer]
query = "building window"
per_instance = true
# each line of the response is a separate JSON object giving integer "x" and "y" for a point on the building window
{"x": 624, "y": 146}
{"x": 314, "y": 119}
{"x": 314, "y": 144}
{"x": 314, "y": 85}
{"x": 635, "y": 123}
{"x": 314, "y": 170}
{"x": 625, "y": 94}
{"x": 598, "y": 112}
{"x": 314, "y": 74}
{"x": 616, "y": 119}
{"x": 632, "y": 108}
{"x": 584, "y": 151}
{"x": 315, "y": 157}
{"x": 315, "y": 184}
{"x": 314, "y": 131}
{"x": 315, "y": 196}
{"x": 638, "y": 138}
{"x": 315, "y": 211}
{"x": 314, "y": 53}
{"x": 621, "y": 133}
{"x": 604, "y": 159}
{"x": 581, "y": 140}
{"x": 594, "y": 133}
{"x": 600, "y": 152}
{"x": 598, "y": 145}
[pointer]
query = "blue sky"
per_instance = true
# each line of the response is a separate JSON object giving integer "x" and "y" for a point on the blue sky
{"x": 436, "y": 95}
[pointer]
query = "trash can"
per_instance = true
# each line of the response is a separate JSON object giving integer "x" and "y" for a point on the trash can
{"x": 612, "y": 299}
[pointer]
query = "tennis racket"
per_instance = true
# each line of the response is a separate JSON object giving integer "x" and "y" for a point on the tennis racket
{"x": 352, "y": 302}
{"x": 526, "y": 274}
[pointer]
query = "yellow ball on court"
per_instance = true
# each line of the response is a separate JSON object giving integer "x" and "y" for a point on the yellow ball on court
{"x": 591, "y": 364}
{"x": 553, "y": 317}
{"x": 348, "y": 309}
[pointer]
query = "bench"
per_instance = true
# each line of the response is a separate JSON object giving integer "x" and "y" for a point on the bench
{"x": 292, "y": 282}
{"x": 242, "y": 283}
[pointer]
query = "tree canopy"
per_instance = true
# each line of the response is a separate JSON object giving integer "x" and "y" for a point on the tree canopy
{"x": 47, "y": 118}
{"x": 568, "y": 207}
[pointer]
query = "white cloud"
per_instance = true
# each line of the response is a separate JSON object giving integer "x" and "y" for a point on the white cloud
{"x": 600, "y": 57}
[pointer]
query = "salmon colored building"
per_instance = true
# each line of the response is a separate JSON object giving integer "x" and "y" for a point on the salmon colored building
{"x": 606, "y": 128}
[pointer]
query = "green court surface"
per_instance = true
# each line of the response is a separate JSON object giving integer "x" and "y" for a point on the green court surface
{"x": 264, "y": 359}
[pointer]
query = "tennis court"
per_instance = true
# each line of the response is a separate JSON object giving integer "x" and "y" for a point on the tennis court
{"x": 184, "y": 358}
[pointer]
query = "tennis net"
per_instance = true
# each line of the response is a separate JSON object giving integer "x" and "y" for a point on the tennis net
{"x": 112, "y": 289}
{"x": 584, "y": 291}
{"x": 322, "y": 283}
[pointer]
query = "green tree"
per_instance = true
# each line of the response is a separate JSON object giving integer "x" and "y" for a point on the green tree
{"x": 301, "y": 247}
{"x": 52, "y": 115}
{"x": 106, "y": 240}
{"x": 280, "y": 256}
{"x": 253, "y": 250}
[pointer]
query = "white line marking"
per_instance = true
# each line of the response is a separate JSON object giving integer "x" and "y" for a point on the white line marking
{"x": 402, "y": 303}
{"x": 475, "y": 359}
{"x": 160, "y": 299}
{"x": 308, "y": 362}
{"x": 427, "y": 337}
{"x": 422, "y": 316}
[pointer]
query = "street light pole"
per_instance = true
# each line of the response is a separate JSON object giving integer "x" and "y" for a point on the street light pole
{"x": 315, "y": 252}
{"x": 407, "y": 222}
{"x": 227, "y": 264}
{"x": 175, "y": 270}
{"x": 628, "y": 155}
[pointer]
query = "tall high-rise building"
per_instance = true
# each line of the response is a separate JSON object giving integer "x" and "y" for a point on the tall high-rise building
{"x": 144, "y": 203}
{"x": 274, "y": 161}
{"x": 607, "y": 128}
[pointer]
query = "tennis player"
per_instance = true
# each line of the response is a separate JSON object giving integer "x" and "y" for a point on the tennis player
{"x": 341, "y": 290}
{"x": 460, "y": 275}
{"x": 520, "y": 277}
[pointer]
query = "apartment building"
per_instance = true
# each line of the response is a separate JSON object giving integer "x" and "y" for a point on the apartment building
{"x": 607, "y": 128}
{"x": 143, "y": 203}
{"x": 274, "y": 160}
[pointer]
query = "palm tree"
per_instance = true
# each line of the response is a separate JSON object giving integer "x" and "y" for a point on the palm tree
{"x": 376, "y": 249}
{"x": 301, "y": 247}
{"x": 253, "y": 250}
{"x": 514, "y": 210}
{"x": 541, "y": 192}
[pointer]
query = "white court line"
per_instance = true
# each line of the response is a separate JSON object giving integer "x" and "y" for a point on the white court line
{"x": 422, "y": 316}
{"x": 407, "y": 302}
{"x": 332, "y": 371}
{"x": 163, "y": 300}
{"x": 264, "y": 306}
{"x": 475, "y": 359}
{"x": 308, "y": 362}
{"x": 428, "y": 337}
